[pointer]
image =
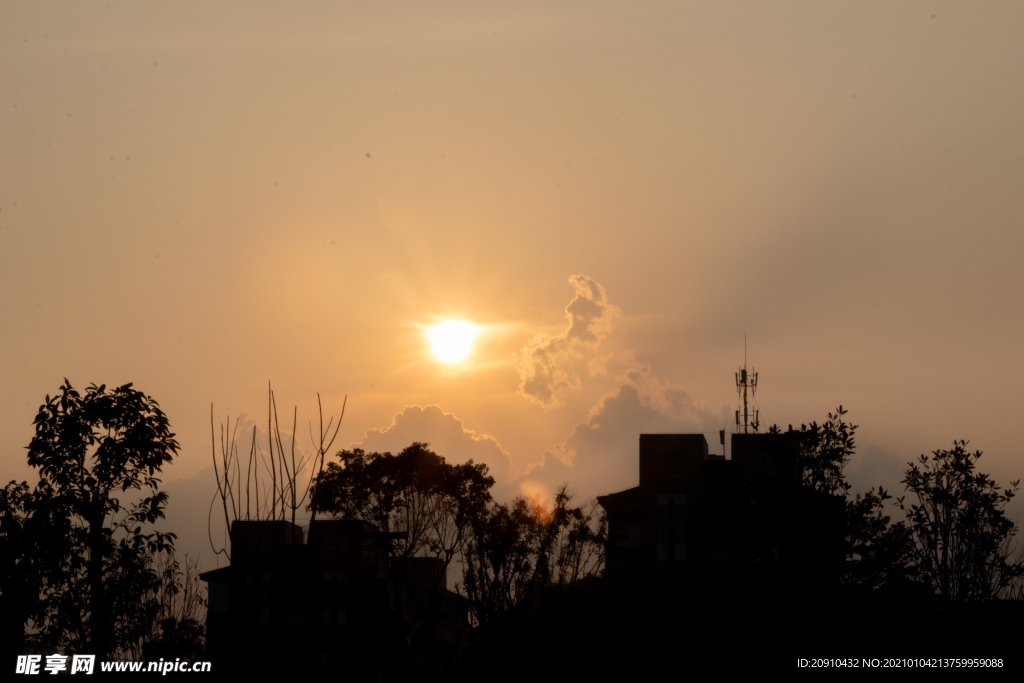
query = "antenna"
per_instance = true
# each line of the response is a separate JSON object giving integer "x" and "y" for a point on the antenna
{"x": 745, "y": 381}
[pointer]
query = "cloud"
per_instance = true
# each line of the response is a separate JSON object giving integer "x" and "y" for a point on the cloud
{"x": 544, "y": 364}
{"x": 446, "y": 435}
{"x": 601, "y": 455}
{"x": 663, "y": 396}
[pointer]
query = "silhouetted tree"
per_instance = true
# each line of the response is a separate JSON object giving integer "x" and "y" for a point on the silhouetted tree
{"x": 962, "y": 535}
{"x": 795, "y": 540}
{"x": 415, "y": 492}
{"x": 819, "y": 453}
{"x": 283, "y": 493}
{"x": 178, "y": 629}
{"x": 429, "y": 503}
{"x": 881, "y": 552}
{"x": 81, "y": 548}
{"x": 33, "y": 561}
{"x": 521, "y": 555}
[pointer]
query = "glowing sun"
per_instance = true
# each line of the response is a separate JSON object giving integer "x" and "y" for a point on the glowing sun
{"x": 452, "y": 340}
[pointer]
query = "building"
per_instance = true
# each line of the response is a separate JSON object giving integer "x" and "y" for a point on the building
{"x": 701, "y": 524}
{"x": 339, "y": 600}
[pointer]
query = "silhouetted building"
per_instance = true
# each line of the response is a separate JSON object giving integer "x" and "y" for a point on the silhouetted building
{"x": 699, "y": 525}
{"x": 342, "y": 601}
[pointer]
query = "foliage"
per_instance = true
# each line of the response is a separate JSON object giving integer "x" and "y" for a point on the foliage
{"x": 178, "y": 629}
{"x": 78, "y": 546}
{"x": 956, "y": 538}
{"x": 426, "y": 505}
{"x": 521, "y": 555}
{"x": 820, "y": 452}
{"x": 415, "y": 492}
{"x": 32, "y": 561}
{"x": 962, "y": 536}
{"x": 880, "y": 551}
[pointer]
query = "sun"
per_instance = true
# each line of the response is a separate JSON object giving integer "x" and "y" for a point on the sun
{"x": 452, "y": 340}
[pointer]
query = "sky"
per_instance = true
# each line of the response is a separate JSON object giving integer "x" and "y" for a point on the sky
{"x": 204, "y": 198}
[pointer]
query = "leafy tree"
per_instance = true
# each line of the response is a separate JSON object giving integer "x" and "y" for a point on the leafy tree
{"x": 415, "y": 492}
{"x": 819, "y": 453}
{"x": 797, "y": 479}
{"x": 92, "y": 588}
{"x": 961, "y": 532}
{"x": 32, "y": 560}
{"x": 178, "y": 629}
{"x": 880, "y": 551}
{"x": 418, "y": 494}
{"x": 522, "y": 555}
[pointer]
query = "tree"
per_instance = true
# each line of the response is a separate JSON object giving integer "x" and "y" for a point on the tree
{"x": 415, "y": 492}
{"x": 92, "y": 451}
{"x": 522, "y": 555}
{"x": 962, "y": 535}
{"x": 32, "y": 560}
{"x": 243, "y": 500}
{"x": 819, "y": 453}
{"x": 880, "y": 552}
{"x": 425, "y": 505}
{"x": 178, "y": 629}
{"x": 796, "y": 478}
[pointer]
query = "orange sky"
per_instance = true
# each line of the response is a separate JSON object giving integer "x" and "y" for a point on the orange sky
{"x": 198, "y": 197}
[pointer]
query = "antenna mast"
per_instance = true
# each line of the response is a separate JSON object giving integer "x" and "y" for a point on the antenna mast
{"x": 745, "y": 381}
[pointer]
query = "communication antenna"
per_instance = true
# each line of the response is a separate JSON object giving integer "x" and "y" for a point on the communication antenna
{"x": 745, "y": 381}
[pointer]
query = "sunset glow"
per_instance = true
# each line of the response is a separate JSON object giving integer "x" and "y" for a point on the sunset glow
{"x": 452, "y": 340}
{"x": 522, "y": 235}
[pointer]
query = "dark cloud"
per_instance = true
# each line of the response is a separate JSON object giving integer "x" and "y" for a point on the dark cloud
{"x": 545, "y": 372}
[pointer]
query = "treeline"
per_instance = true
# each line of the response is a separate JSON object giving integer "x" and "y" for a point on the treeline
{"x": 82, "y": 570}
{"x": 512, "y": 558}
{"x": 947, "y": 535}
{"x": 944, "y": 553}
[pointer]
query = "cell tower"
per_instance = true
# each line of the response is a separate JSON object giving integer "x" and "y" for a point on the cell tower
{"x": 745, "y": 381}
